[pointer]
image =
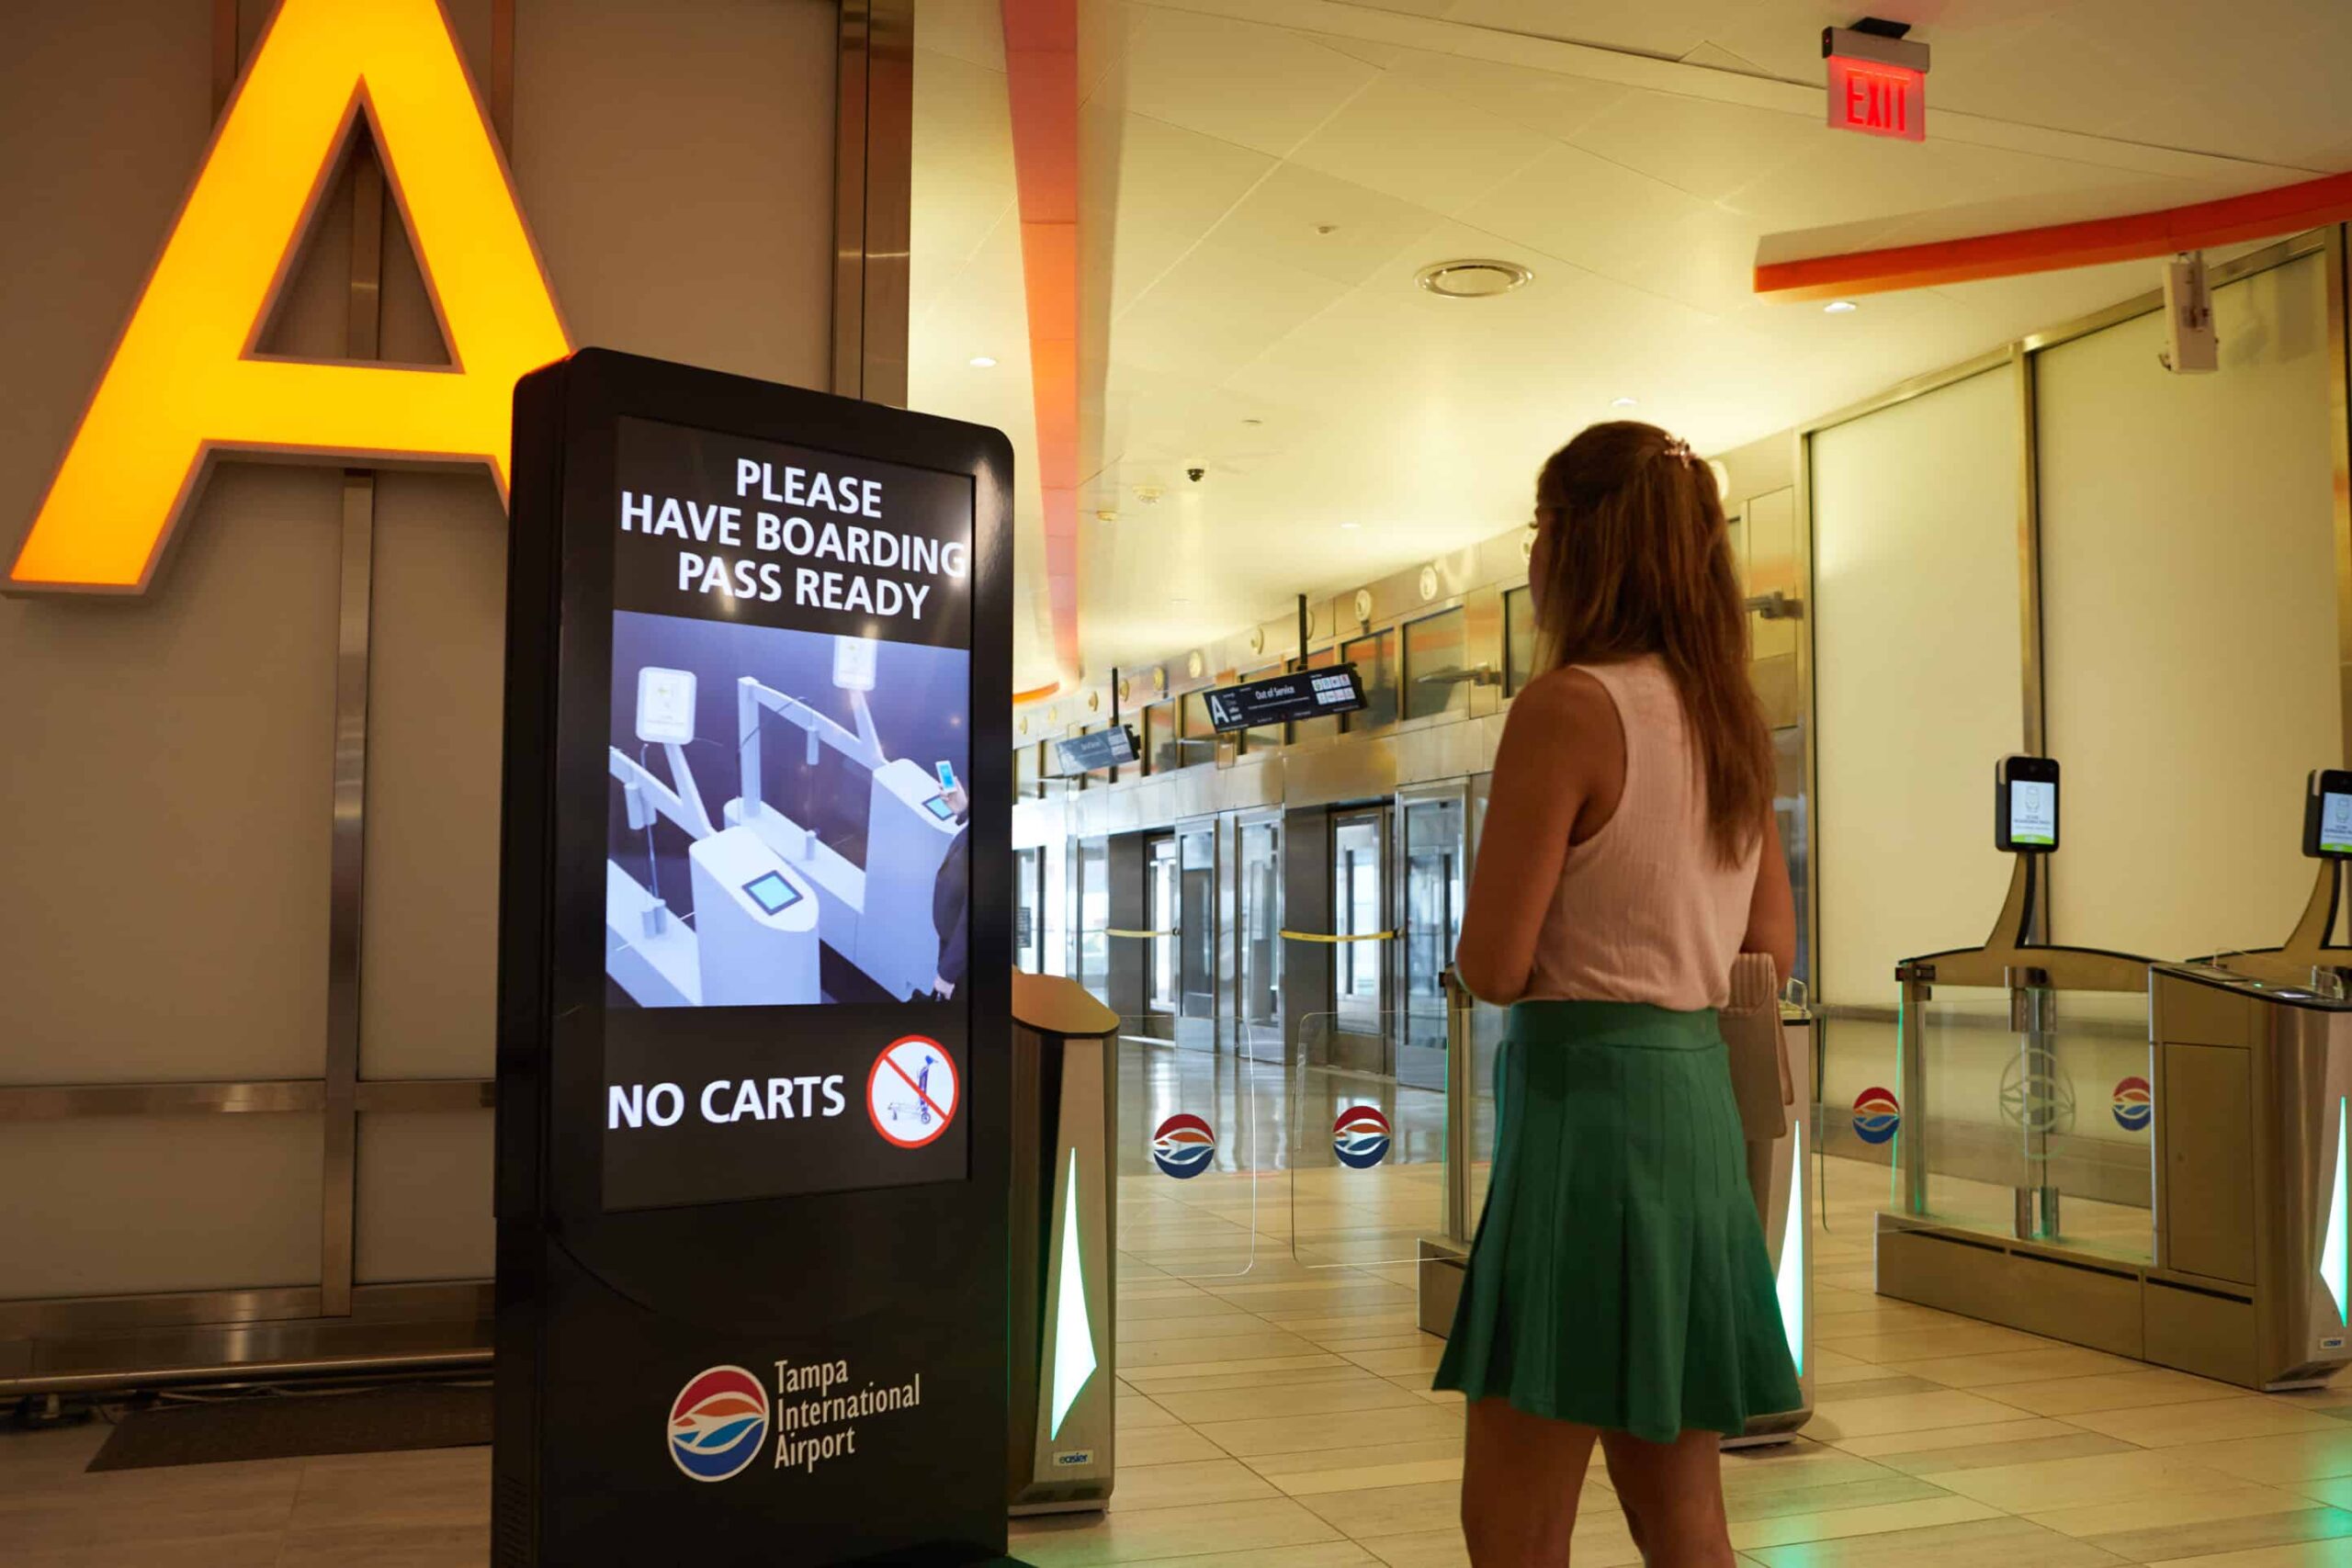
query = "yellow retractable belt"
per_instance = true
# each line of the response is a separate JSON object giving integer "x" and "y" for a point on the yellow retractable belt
{"x": 1326, "y": 936}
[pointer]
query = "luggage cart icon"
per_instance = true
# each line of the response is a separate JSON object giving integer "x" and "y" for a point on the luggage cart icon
{"x": 917, "y": 1109}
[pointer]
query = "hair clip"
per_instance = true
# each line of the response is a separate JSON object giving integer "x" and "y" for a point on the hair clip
{"x": 1679, "y": 450}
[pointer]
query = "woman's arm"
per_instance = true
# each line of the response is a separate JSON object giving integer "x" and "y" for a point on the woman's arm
{"x": 1561, "y": 748}
{"x": 1772, "y": 907}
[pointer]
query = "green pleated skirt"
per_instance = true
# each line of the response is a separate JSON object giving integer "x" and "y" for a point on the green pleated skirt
{"x": 1620, "y": 1277}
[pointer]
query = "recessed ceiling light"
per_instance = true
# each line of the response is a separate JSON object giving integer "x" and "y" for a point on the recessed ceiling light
{"x": 1253, "y": 421}
{"x": 1839, "y": 308}
{"x": 982, "y": 362}
{"x": 1472, "y": 278}
{"x": 1620, "y": 402}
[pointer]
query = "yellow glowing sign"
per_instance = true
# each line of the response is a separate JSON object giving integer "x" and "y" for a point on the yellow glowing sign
{"x": 186, "y": 379}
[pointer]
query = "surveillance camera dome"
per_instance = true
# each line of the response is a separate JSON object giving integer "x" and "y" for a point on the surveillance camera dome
{"x": 1196, "y": 473}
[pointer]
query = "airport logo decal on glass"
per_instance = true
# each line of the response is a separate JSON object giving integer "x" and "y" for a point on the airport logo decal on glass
{"x": 1877, "y": 1114}
{"x": 1183, "y": 1146}
{"x": 1360, "y": 1137}
{"x": 912, "y": 1094}
{"x": 2134, "y": 1104}
{"x": 719, "y": 1423}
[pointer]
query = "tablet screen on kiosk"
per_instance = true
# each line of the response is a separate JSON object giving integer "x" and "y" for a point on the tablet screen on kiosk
{"x": 2328, "y": 814}
{"x": 2025, "y": 804}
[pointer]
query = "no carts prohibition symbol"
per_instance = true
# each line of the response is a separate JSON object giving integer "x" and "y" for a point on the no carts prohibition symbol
{"x": 912, "y": 1094}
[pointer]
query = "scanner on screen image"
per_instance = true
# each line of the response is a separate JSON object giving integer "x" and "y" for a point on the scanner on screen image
{"x": 767, "y": 889}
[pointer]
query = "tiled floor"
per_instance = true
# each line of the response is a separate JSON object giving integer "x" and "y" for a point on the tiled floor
{"x": 1275, "y": 1413}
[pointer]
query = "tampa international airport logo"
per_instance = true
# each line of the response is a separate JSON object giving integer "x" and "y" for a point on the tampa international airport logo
{"x": 718, "y": 1423}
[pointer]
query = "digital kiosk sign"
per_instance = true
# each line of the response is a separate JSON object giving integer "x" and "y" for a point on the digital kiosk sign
{"x": 754, "y": 1003}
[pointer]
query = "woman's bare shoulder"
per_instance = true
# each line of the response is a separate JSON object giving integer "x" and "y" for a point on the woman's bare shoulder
{"x": 1566, "y": 702}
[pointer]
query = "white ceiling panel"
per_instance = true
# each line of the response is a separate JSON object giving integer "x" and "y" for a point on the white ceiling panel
{"x": 1316, "y": 223}
{"x": 1541, "y": 101}
{"x": 1215, "y": 309}
{"x": 1256, "y": 86}
{"x": 1707, "y": 149}
{"x": 1667, "y": 28}
{"x": 1174, "y": 185}
{"x": 1424, "y": 147}
{"x": 1583, "y": 209}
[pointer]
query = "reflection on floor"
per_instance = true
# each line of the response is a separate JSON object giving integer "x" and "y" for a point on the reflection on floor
{"x": 1275, "y": 1413}
{"x": 1281, "y": 1417}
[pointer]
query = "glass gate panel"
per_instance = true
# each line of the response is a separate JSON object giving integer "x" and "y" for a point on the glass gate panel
{"x": 1196, "y": 942}
{"x": 1162, "y": 910}
{"x": 1367, "y": 1163}
{"x": 1258, "y": 974}
{"x": 1203, "y": 1194}
{"x": 1358, "y": 1035}
{"x": 1028, "y": 914}
{"x": 1433, "y": 863}
{"x": 1092, "y": 874}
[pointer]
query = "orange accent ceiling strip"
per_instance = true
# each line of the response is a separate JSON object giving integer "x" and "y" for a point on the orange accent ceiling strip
{"x": 2258, "y": 215}
{"x": 1040, "y": 71}
{"x": 1036, "y": 694}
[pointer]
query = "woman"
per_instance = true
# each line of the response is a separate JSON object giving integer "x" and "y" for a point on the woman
{"x": 1618, "y": 1288}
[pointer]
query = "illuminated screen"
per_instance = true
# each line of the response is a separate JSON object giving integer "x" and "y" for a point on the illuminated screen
{"x": 2335, "y": 824}
{"x": 773, "y": 893}
{"x": 2034, "y": 811}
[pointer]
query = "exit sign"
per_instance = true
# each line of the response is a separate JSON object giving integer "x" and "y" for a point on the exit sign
{"x": 1878, "y": 83}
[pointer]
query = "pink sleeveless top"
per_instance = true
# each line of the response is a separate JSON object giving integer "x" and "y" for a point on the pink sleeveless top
{"x": 1644, "y": 911}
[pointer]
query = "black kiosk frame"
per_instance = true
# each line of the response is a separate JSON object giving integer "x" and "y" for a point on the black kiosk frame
{"x": 740, "y": 1323}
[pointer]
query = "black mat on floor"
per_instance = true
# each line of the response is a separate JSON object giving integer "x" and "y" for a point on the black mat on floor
{"x": 362, "y": 1421}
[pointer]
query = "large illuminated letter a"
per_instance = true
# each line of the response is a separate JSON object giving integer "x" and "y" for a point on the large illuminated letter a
{"x": 184, "y": 381}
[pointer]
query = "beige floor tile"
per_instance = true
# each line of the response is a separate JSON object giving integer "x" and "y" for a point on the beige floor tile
{"x": 1408, "y": 1473}
{"x": 2119, "y": 1390}
{"x": 182, "y": 1502}
{"x": 1320, "y": 1367}
{"x": 443, "y": 1488}
{"x": 1228, "y": 1323}
{"x": 207, "y": 1552}
{"x": 1960, "y": 1337}
{"x": 1976, "y": 1543}
{"x": 1421, "y": 1356}
{"x": 1939, "y": 1463}
{"x": 1164, "y": 1445}
{"x": 2277, "y": 1462}
{"x": 1324, "y": 1554}
{"x": 1281, "y": 1467}
{"x": 1837, "y": 1417}
{"x": 2157, "y": 1510}
{"x": 2023, "y": 1430}
{"x": 1253, "y": 1439}
{"x": 1368, "y": 1513}
{"x": 1994, "y": 1367}
{"x": 1162, "y": 1302}
{"x": 1601, "y": 1541}
{"x": 1363, "y": 1392}
{"x": 1260, "y": 1344}
{"x": 1175, "y": 1486}
{"x": 387, "y": 1546}
{"x": 1870, "y": 1519}
{"x": 2244, "y": 1533}
{"x": 1135, "y": 1412}
{"x": 2211, "y": 1420}
{"x": 2308, "y": 1554}
{"x": 2097, "y": 1478}
{"x": 1243, "y": 1530}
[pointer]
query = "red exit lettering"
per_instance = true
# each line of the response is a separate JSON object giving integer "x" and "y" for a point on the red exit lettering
{"x": 1877, "y": 100}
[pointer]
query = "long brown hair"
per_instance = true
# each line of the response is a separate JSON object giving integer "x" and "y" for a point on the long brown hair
{"x": 1632, "y": 556}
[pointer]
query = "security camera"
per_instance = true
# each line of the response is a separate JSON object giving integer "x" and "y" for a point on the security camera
{"x": 1197, "y": 473}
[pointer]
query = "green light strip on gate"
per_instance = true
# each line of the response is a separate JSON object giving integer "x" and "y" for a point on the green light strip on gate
{"x": 2331, "y": 1256}
{"x": 1074, "y": 1360}
{"x": 1790, "y": 1283}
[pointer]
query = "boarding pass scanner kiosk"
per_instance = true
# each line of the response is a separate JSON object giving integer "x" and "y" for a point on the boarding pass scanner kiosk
{"x": 2193, "y": 1215}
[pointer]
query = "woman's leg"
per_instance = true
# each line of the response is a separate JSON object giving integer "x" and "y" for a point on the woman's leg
{"x": 1673, "y": 1497}
{"x": 1522, "y": 1475}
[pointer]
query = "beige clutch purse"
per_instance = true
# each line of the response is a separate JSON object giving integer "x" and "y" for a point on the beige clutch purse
{"x": 1760, "y": 1080}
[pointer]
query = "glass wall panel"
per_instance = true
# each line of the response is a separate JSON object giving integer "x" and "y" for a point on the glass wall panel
{"x": 1918, "y": 685}
{"x": 1436, "y": 645}
{"x": 1519, "y": 639}
{"x": 1375, "y": 658}
{"x": 2189, "y": 620}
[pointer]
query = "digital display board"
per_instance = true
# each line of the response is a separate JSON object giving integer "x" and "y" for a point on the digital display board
{"x": 791, "y": 681}
{"x": 1280, "y": 699}
{"x": 754, "y": 1087}
{"x": 1112, "y": 747}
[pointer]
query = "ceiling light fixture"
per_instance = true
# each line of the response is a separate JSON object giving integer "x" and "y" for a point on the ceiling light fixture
{"x": 1472, "y": 278}
{"x": 1620, "y": 402}
{"x": 1839, "y": 308}
{"x": 982, "y": 362}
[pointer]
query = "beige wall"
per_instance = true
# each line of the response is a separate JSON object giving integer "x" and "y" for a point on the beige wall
{"x": 164, "y": 882}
